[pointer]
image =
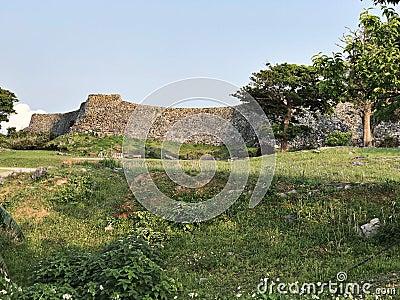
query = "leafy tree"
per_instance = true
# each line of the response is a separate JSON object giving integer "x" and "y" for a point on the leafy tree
{"x": 284, "y": 91}
{"x": 7, "y": 100}
{"x": 366, "y": 72}
{"x": 386, "y": 2}
{"x": 11, "y": 131}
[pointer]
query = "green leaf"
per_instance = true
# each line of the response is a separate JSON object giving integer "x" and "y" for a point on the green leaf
{"x": 10, "y": 226}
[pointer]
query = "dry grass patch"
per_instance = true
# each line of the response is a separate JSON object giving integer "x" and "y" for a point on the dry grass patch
{"x": 31, "y": 210}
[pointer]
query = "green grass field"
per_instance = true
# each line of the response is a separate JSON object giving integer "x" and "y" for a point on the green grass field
{"x": 303, "y": 229}
{"x": 30, "y": 158}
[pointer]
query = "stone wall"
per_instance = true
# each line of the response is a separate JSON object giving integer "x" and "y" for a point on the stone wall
{"x": 106, "y": 114}
{"x": 58, "y": 124}
{"x": 109, "y": 115}
{"x": 197, "y": 117}
{"x": 345, "y": 118}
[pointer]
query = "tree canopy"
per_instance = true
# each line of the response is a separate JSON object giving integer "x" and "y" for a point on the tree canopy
{"x": 284, "y": 91}
{"x": 386, "y": 2}
{"x": 7, "y": 100}
{"x": 366, "y": 72}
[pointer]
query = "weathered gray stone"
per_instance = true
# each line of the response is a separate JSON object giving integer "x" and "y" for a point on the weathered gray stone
{"x": 103, "y": 115}
{"x": 370, "y": 229}
{"x": 202, "y": 280}
{"x": 39, "y": 172}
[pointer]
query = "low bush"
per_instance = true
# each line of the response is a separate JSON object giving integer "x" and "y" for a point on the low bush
{"x": 125, "y": 269}
{"x": 338, "y": 138}
{"x": 389, "y": 141}
{"x": 110, "y": 163}
{"x": 25, "y": 140}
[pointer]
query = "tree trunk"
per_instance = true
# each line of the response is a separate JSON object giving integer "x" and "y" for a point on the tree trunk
{"x": 286, "y": 122}
{"x": 367, "y": 136}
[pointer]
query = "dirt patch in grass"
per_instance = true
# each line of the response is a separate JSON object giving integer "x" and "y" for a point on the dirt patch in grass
{"x": 61, "y": 181}
{"x": 127, "y": 208}
{"x": 5, "y": 191}
{"x": 31, "y": 210}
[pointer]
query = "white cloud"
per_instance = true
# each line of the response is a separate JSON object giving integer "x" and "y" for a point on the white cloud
{"x": 21, "y": 118}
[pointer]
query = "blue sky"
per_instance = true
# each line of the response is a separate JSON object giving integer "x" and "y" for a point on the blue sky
{"x": 54, "y": 53}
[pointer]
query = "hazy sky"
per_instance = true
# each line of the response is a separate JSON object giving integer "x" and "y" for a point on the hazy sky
{"x": 54, "y": 53}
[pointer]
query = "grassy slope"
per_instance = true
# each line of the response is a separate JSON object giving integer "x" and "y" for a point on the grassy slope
{"x": 87, "y": 144}
{"x": 236, "y": 249}
{"x": 30, "y": 158}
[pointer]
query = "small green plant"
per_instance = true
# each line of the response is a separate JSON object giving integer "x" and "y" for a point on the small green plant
{"x": 3, "y": 267}
{"x": 10, "y": 226}
{"x": 8, "y": 289}
{"x": 110, "y": 163}
{"x": 338, "y": 138}
{"x": 389, "y": 141}
{"x": 78, "y": 189}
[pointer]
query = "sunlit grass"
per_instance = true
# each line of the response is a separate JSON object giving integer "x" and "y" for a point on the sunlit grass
{"x": 30, "y": 158}
{"x": 303, "y": 229}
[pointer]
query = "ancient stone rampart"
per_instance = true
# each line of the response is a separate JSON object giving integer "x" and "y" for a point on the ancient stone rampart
{"x": 58, "y": 124}
{"x": 106, "y": 114}
{"x": 109, "y": 115}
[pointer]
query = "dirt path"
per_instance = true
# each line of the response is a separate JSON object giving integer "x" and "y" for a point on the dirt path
{"x": 85, "y": 158}
{"x": 5, "y": 171}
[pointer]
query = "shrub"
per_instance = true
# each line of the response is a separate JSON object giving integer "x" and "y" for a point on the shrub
{"x": 11, "y": 131}
{"x": 338, "y": 138}
{"x": 25, "y": 140}
{"x": 125, "y": 269}
{"x": 110, "y": 163}
{"x": 389, "y": 141}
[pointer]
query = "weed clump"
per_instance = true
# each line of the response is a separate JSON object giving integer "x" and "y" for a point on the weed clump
{"x": 127, "y": 268}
